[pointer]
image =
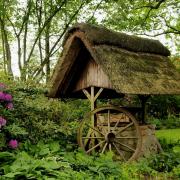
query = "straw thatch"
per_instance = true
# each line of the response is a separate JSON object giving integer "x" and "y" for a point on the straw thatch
{"x": 100, "y": 35}
{"x": 133, "y": 65}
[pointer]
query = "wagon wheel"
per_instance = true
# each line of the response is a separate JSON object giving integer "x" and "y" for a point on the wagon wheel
{"x": 114, "y": 129}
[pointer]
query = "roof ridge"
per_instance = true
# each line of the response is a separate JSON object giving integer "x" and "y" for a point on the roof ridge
{"x": 100, "y": 35}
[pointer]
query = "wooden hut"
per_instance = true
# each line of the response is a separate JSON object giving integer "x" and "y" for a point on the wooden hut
{"x": 97, "y": 62}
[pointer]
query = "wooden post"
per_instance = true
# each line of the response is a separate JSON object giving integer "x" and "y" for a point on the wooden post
{"x": 143, "y": 99}
{"x": 92, "y": 98}
{"x": 92, "y": 105}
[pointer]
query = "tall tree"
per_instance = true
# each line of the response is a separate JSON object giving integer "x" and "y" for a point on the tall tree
{"x": 151, "y": 18}
{"x": 5, "y": 39}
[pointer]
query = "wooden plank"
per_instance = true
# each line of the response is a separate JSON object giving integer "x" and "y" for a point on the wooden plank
{"x": 87, "y": 94}
{"x": 92, "y": 75}
{"x": 98, "y": 93}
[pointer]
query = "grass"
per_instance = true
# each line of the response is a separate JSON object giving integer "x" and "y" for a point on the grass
{"x": 169, "y": 134}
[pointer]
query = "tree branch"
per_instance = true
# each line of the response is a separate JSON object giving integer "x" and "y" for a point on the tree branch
{"x": 41, "y": 30}
{"x": 97, "y": 7}
{"x": 38, "y": 70}
{"x": 15, "y": 32}
{"x": 151, "y": 8}
{"x": 158, "y": 34}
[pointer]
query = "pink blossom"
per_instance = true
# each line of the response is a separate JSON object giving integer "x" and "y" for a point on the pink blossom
{"x": 2, "y": 96}
{"x": 8, "y": 97}
{"x": 13, "y": 144}
{"x": 9, "y": 106}
{"x": 2, "y": 122}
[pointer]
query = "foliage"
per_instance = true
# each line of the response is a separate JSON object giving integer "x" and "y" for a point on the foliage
{"x": 170, "y": 145}
{"x": 164, "y": 162}
{"x": 171, "y": 122}
{"x": 46, "y": 129}
{"x": 169, "y": 134}
{"x": 36, "y": 117}
{"x": 150, "y": 18}
{"x": 171, "y": 105}
{"x": 36, "y": 28}
{"x": 8, "y": 132}
{"x": 51, "y": 160}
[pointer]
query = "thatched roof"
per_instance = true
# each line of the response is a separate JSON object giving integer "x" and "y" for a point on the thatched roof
{"x": 99, "y": 35}
{"x": 134, "y": 65}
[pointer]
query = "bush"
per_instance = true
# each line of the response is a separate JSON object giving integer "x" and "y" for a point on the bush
{"x": 171, "y": 122}
{"x": 162, "y": 105}
{"x": 36, "y": 117}
{"x": 50, "y": 161}
{"x": 164, "y": 162}
{"x": 9, "y": 131}
{"x": 168, "y": 146}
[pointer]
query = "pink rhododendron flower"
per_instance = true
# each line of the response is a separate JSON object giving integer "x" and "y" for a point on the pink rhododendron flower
{"x": 13, "y": 144}
{"x": 8, "y": 97}
{"x": 2, "y": 122}
{"x": 2, "y": 96}
{"x": 9, "y": 106}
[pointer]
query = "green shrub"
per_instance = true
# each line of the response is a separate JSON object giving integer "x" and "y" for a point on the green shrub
{"x": 171, "y": 122}
{"x": 162, "y": 105}
{"x": 36, "y": 117}
{"x": 168, "y": 146}
{"x": 50, "y": 161}
{"x": 164, "y": 162}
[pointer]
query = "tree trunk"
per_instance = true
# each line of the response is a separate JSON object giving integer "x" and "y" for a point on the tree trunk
{"x": 3, "y": 50}
{"x": 7, "y": 51}
{"x": 47, "y": 51}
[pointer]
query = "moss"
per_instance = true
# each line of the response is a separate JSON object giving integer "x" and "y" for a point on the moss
{"x": 100, "y": 35}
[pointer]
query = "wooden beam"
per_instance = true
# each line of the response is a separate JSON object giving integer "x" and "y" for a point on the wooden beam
{"x": 92, "y": 102}
{"x": 92, "y": 115}
{"x": 87, "y": 94}
{"x": 143, "y": 99}
{"x": 98, "y": 93}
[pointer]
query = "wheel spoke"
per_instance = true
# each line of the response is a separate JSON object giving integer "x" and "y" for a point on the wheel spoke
{"x": 132, "y": 149}
{"x": 127, "y": 137}
{"x": 87, "y": 137}
{"x": 93, "y": 137}
{"x": 125, "y": 128}
{"x": 120, "y": 153}
{"x": 95, "y": 129}
{"x": 108, "y": 120}
{"x": 116, "y": 124}
{"x": 110, "y": 147}
{"x": 104, "y": 148}
{"x": 95, "y": 146}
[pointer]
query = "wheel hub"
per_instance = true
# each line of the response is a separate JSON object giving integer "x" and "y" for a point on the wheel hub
{"x": 110, "y": 137}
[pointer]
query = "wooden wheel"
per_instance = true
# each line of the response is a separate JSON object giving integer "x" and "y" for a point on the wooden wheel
{"x": 113, "y": 129}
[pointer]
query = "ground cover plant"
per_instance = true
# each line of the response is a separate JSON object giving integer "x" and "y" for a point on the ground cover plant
{"x": 46, "y": 148}
{"x": 169, "y": 134}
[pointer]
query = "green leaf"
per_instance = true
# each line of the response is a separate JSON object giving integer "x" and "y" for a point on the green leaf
{"x": 13, "y": 174}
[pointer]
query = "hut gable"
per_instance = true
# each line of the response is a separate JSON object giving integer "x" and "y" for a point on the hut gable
{"x": 95, "y": 56}
{"x": 92, "y": 75}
